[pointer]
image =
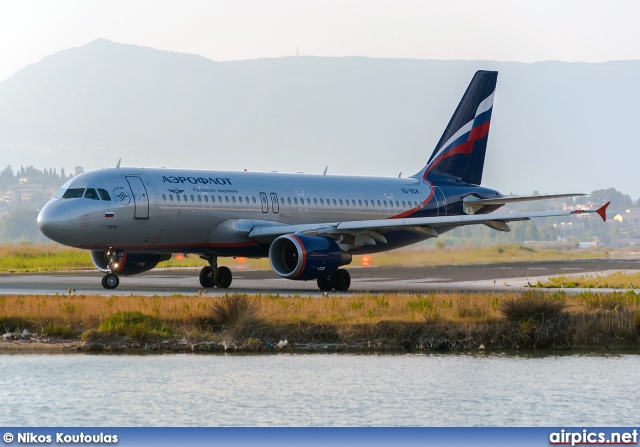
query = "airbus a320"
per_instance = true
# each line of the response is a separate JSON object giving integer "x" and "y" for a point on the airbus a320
{"x": 309, "y": 226}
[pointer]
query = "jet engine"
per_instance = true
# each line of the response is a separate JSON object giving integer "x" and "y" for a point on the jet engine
{"x": 125, "y": 264}
{"x": 301, "y": 257}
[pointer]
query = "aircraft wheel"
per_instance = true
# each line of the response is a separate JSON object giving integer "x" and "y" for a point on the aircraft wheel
{"x": 206, "y": 277}
{"x": 325, "y": 283}
{"x": 223, "y": 277}
{"x": 110, "y": 281}
{"x": 341, "y": 280}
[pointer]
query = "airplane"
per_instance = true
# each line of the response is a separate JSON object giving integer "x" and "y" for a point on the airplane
{"x": 308, "y": 225}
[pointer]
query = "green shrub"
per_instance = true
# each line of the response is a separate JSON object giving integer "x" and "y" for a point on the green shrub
{"x": 135, "y": 325}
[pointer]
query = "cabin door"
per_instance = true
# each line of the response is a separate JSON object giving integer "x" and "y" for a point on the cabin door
{"x": 140, "y": 197}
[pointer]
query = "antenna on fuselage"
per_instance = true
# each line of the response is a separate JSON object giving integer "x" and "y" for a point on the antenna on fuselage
{"x": 118, "y": 164}
{"x": 400, "y": 175}
{"x": 325, "y": 170}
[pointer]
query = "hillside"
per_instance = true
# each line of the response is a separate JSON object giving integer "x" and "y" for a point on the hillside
{"x": 556, "y": 126}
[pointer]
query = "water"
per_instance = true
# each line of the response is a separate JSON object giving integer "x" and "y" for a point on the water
{"x": 319, "y": 390}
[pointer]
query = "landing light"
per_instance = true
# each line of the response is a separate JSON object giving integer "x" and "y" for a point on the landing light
{"x": 241, "y": 259}
{"x": 366, "y": 261}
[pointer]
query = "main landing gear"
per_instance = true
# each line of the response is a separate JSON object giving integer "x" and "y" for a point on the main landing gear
{"x": 214, "y": 276}
{"x": 340, "y": 281}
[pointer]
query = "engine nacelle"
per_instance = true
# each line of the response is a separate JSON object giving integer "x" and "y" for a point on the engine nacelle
{"x": 294, "y": 256}
{"x": 122, "y": 263}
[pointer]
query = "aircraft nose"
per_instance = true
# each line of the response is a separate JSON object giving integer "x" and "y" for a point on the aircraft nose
{"x": 53, "y": 221}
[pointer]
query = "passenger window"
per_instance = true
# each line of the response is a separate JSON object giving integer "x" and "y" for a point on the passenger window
{"x": 385, "y": 203}
{"x": 226, "y": 199}
{"x": 403, "y": 205}
{"x": 321, "y": 202}
{"x": 233, "y": 199}
{"x": 379, "y": 203}
{"x": 240, "y": 199}
{"x": 220, "y": 199}
{"x": 366, "y": 203}
{"x": 199, "y": 198}
{"x": 206, "y": 199}
{"x": 254, "y": 200}
{"x": 391, "y": 203}
{"x": 178, "y": 197}
{"x": 340, "y": 202}
{"x": 91, "y": 194}
{"x": 315, "y": 201}
{"x": 289, "y": 200}
{"x": 73, "y": 193}
{"x": 104, "y": 195}
{"x": 185, "y": 198}
{"x": 335, "y": 203}
{"x": 192, "y": 199}
{"x": 359, "y": 202}
{"x": 170, "y": 197}
{"x": 295, "y": 200}
{"x": 397, "y": 204}
{"x": 164, "y": 198}
{"x": 282, "y": 200}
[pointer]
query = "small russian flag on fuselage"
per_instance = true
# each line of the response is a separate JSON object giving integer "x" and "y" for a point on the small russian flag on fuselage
{"x": 109, "y": 214}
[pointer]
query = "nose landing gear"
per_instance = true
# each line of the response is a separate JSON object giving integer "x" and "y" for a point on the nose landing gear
{"x": 110, "y": 281}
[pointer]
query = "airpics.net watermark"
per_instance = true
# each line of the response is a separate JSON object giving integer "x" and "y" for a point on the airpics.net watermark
{"x": 59, "y": 438}
{"x": 586, "y": 437}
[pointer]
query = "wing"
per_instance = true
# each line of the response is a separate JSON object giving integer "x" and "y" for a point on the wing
{"x": 370, "y": 232}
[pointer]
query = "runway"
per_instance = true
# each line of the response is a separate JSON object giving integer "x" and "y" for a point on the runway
{"x": 482, "y": 277}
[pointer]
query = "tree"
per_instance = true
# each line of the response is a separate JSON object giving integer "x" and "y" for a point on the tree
{"x": 78, "y": 170}
{"x": 19, "y": 225}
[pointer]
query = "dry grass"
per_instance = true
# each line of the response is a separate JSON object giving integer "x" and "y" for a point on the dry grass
{"x": 617, "y": 280}
{"x": 413, "y": 257}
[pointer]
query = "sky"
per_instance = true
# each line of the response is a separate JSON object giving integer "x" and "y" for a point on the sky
{"x": 501, "y": 30}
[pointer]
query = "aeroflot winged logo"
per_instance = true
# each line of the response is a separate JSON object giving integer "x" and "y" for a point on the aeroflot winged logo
{"x": 120, "y": 195}
{"x": 196, "y": 180}
{"x": 176, "y": 191}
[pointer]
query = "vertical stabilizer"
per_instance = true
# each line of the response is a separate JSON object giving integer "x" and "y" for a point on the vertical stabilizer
{"x": 459, "y": 155}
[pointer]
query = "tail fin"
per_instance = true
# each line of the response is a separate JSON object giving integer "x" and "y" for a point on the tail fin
{"x": 461, "y": 149}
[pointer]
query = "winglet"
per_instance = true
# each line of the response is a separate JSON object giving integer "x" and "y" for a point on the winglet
{"x": 602, "y": 211}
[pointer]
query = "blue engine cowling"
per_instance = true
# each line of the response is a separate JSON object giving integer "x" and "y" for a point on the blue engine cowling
{"x": 297, "y": 256}
{"x": 126, "y": 264}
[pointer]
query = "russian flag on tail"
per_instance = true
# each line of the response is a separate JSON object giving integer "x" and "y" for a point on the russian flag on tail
{"x": 461, "y": 150}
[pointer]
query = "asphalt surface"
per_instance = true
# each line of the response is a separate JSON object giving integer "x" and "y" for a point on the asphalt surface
{"x": 484, "y": 277}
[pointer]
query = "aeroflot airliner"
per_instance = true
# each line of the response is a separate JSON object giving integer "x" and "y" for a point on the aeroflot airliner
{"x": 308, "y": 225}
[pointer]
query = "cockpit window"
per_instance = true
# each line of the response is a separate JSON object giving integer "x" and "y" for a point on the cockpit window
{"x": 73, "y": 193}
{"x": 104, "y": 195}
{"x": 59, "y": 193}
{"x": 91, "y": 194}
